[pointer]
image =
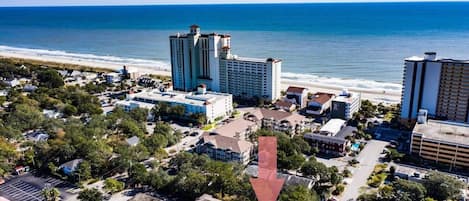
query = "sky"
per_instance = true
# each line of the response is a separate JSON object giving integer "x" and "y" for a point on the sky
{"x": 156, "y": 2}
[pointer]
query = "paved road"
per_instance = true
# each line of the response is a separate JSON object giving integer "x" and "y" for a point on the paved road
{"x": 368, "y": 158}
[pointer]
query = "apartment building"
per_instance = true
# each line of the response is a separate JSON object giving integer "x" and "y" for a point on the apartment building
{"x": 212, "y": 104}
{"x": 290, "y": 123}
{"x": 198, "y": 58}
{"x": 345, "y": 105}
{"x": 440, "y": 86}
{"x": 442, "y": 142}
{"x": 223, "y": 148}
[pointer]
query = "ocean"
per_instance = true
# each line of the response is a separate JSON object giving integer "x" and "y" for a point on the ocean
{"x": 350, "y": 45}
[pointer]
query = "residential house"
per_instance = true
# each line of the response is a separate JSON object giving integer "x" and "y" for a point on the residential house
{"x": 285, "y": 106}
{"x": 70, "y": 167}
{"x": 319, "y": 103}
{"x": 297, "y": 95}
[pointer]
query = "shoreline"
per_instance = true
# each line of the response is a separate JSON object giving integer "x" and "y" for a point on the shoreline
{"x": 374, "y": 95}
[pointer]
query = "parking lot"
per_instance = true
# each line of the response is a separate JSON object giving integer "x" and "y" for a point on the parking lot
{"x": 28, "y": 187}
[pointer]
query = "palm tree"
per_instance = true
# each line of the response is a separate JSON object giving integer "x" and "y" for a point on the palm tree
{"x": 51, "y": 194}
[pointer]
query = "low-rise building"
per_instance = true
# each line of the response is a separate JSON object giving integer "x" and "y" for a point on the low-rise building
{"x": 240, "y": 128}
{"x": 129, "y": 105}
{"x": 285, "y": 105}
{"x": 319, "y": 103}
{"x": 212, "y": 104}
{"x": 345, "y": 105}
{"x": 297, "y": 95}
{"x": 332, "y": 139}
{"x": 290, "y": 180}
{"x": 223, "y": 148}
{"x": 442, "y": 142}
{"x": 291, "y": 123}
{"x": 112, "y": 77}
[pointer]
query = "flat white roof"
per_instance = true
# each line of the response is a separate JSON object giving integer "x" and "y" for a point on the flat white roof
{"x": 132, "y": 102}
{"x": 333, "y": 126}
{"x": 347, "y": 99}
{"x": 188, "y": 98}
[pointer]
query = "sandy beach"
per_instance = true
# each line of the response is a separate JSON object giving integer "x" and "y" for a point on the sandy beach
{"x": 377, "y": 96}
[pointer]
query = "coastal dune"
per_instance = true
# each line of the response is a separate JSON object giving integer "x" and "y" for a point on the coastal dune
{"x": 380, "y": 94}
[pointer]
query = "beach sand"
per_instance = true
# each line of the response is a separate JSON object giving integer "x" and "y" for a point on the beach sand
{"x": 376, "y": 96}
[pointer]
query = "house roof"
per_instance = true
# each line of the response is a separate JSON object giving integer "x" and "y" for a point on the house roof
{"x": 71, "y": 164}
{"x": 281, "y": 103}
{"x": 231, "y": 129}
{"x": 133, "y": 140}
{"x": 293, "y": 89}
{"x": 206, "y": 197}
{"x": 227, "y": 143}
{"x": 322, "y": 98}
{"x": 252, "y": 170}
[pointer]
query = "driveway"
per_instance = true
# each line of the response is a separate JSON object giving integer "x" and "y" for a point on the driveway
{"x": 368, "y": 158}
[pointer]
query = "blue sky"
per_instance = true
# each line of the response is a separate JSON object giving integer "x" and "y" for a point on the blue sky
{"x": 146, "y": 2}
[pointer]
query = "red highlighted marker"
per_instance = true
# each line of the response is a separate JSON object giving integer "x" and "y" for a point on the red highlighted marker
{"x": 267, "y": 186}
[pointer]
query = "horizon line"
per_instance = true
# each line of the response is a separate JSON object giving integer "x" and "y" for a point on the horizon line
{"x": 236, "y": 3}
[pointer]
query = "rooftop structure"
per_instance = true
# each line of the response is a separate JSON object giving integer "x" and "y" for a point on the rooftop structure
{"x": 442, "y": 142}
{"x": 444, "y": 131}
{"x": 332, "y": 127}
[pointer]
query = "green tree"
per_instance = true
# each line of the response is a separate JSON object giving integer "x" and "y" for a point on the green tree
{"x": 83, "y": 171}
{"x": 50, "y": 194}
{"x": 408, "y": 190}
{"x": 113, "y": 186}
{"x": 158, "y": 179}
{"x": 69, "y": 110}
{"x": 138, "y": 174}
{"x": 298, "y": 193}
{"x": 25, "y": 117}
{"x": 90, "y": 195}
{"x": 442, "y": 187}
{"x": 50, "y": 78}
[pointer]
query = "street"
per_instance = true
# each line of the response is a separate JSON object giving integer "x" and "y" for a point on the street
{"x": 368, "y": 158}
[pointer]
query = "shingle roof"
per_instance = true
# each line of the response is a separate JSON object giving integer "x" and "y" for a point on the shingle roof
{"x": 276, "y": 115}
{"x": 322, "y": 97}
{"x": 226, "y": 143}
{"x": 295, "y": 89}
{"x": 231, "y": 129}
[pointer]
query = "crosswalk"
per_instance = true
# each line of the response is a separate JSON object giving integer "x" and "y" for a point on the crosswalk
{"x": 19, "y": 190}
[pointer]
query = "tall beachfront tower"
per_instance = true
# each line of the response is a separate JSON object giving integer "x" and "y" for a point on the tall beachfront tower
{"x": 195, "y": 59}
{"x": 198, "y": 58}
{"x": 439, "y": 86}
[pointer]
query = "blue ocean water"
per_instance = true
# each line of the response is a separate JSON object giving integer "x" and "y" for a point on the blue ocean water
{"x": 342, "y": 42}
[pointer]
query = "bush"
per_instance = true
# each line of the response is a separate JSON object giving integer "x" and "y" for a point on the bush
{"x": 339, "y": 189}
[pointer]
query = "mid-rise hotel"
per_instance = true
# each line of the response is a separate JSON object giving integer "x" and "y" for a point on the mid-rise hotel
{"x": 440, "y": 86}
{"x": 198, "y": 58}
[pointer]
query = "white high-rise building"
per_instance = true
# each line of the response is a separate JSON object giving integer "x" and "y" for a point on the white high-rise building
{"x": 439, "y": 86}
{"x": 206, "y": 59}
